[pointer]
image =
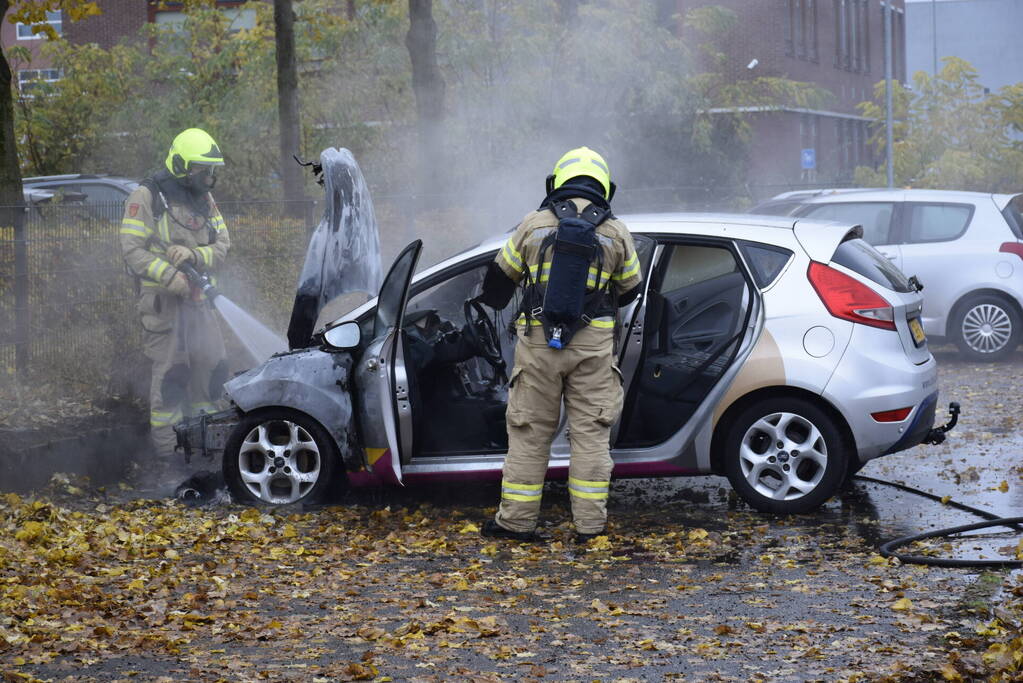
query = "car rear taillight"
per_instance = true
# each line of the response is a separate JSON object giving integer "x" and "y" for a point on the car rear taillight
{"x": 849, "y": 299}
{"x": 892, "y": 415}
{"x": 1012, "y": 248}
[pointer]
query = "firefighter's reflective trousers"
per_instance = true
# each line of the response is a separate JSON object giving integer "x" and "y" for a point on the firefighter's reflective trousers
{"x": 584, "y": 374}
{"x": 183, "y": 340}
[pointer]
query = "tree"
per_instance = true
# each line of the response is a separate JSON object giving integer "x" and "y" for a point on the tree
{"x": 30, "y": 12}
{"x": 428, "y": 86}
{"x": 950, "y": 133}
{"x": 287, "y": 97}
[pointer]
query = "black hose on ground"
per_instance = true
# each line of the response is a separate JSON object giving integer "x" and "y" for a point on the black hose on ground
{"x": 887, "y": 549}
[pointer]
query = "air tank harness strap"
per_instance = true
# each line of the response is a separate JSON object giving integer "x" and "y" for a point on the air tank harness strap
{"x": 571, "y": 245}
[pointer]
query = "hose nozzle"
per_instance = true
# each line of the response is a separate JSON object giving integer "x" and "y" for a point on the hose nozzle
{"x": 200, "y": 281}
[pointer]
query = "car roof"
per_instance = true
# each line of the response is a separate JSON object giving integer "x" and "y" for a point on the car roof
{"x": 815, "y": 192}
{"x": 819, "y": 238}
{"x": 72, "y": 177}
{"x": 827, "y": 196}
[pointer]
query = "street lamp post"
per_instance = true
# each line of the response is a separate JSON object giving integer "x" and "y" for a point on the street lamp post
{"x": 888, "y": 116}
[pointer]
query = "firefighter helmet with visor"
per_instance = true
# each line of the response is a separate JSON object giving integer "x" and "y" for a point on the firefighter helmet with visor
{"x": 192, "y": 147}
{"x": 582, "y": 161}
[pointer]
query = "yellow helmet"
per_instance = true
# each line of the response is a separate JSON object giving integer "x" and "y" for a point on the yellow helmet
{"x": 582, "y": 161}
{"x": 192, "y": 146}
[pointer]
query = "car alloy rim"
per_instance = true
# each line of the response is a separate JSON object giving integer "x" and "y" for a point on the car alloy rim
{"x": 987, "y": 328}
{"x": 783, "y": 456}
{"x": 279, "y": 462}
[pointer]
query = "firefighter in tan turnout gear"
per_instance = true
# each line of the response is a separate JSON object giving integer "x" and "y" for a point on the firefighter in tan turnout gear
{"x": 577, "y": 264}
{"x": 171, "y": 223}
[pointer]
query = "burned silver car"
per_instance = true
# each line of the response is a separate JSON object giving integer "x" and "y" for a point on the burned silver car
{"x": 781, "y": 353}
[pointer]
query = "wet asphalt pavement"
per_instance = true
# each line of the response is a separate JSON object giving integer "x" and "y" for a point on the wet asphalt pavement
{"x": 690, "y": 584}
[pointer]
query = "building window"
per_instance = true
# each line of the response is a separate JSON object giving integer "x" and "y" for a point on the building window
{"x": 840, "y": 44}
{"x": 852, "y": 35}
{"x": 899, "y": 44}
{"x": 865, "y": 18}
{"x": 801, "y": 29}
{"x": 239, "y": 18}
{"x": 24, "y": 31}
{"x": 811, "y": 32}
{"x": 31, "y": 78}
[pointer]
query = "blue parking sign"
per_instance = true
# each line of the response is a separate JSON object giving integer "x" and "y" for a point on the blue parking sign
{"x": 809, "y": 158}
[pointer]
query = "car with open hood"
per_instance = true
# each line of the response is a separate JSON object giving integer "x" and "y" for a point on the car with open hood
{"x": 780, "y": 353}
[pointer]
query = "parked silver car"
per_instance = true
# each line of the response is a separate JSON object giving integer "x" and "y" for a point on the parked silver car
{"x": 966, "y": 248}
{"x": 782, "y": 354}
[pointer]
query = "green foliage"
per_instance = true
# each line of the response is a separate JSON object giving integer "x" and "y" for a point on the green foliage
{"x": 33, "y": 12}
{"x": 949, "y": 133}
{"x": 60, "y": 124}
{"x": 521, "y": 81}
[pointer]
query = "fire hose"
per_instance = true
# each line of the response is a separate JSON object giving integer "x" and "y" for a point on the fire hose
{"x": 888, "y": 548}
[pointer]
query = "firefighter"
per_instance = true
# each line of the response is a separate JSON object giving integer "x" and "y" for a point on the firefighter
{"x": 558, "y": 357}
{"x": 171, "y": 224}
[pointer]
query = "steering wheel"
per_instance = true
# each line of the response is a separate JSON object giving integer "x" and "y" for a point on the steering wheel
{"x": 483, "y": 335}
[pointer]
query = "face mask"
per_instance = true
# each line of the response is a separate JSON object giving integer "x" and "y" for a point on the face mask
{"x": 201, "y": 180}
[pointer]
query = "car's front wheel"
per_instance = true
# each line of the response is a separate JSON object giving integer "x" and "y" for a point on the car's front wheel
{"x": 785, "y": 455}
{"x": 278, "y": 456}
{"x": 986, "y": 328}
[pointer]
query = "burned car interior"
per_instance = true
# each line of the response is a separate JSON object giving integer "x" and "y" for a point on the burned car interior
{"x": 458, "y": 357}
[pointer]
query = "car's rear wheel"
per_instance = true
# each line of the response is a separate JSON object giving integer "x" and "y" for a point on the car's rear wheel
{"x": 278, "y": 456}
{"x": 785, "y": 455}
{"x": 986, "y": 328}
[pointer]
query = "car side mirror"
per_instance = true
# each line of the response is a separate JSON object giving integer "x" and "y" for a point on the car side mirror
{"x": 345, "y": 336}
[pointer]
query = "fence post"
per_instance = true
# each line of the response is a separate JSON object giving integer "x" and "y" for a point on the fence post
{"x": 21, "y": 313}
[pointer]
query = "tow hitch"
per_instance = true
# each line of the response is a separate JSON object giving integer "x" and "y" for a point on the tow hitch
{"x": 937, "y": 434}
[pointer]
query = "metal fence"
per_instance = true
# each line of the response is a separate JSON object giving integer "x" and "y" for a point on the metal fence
{"x": 67, "y": 303}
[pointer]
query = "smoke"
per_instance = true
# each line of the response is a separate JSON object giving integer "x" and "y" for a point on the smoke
{"x": 526, "y": 81}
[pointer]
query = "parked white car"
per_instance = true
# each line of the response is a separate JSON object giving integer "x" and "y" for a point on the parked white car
{"x": 781, "y": 353}
{"x": 966, "y": 248}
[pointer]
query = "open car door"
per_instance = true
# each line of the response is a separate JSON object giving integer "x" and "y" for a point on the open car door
{"x": 700, "y": 314}
{"x": 385, "y": 411}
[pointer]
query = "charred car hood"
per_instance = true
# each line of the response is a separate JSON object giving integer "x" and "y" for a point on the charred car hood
{"x": 311, "y": 381}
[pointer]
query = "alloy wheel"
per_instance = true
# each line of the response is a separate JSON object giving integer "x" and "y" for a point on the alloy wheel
{"x": 783, "y": 456}
{"x": 279, "y": 462}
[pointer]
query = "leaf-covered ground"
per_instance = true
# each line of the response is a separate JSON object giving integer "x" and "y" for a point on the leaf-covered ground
{"x": 688, "y": 585}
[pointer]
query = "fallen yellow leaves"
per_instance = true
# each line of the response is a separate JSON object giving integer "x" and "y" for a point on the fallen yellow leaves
{"x": 30, "y": 532}
{"x": 902, "y": 605}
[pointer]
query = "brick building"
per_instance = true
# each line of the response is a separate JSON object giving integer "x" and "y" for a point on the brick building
{"x": 120, "y": 20}
{"x": 837, "y": 45}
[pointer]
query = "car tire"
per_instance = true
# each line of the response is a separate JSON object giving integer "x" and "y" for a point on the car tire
{"x": 278, "y": 456}
{"x": 986, "y": 327}
{"x": 785, "y": 455}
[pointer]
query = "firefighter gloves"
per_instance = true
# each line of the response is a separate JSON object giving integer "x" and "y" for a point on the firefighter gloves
{"x": 179, "y": 254}
{"x": 179, "y": 286}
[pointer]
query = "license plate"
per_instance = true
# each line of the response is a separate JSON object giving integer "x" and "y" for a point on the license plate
{"x": 917, "y": 330}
